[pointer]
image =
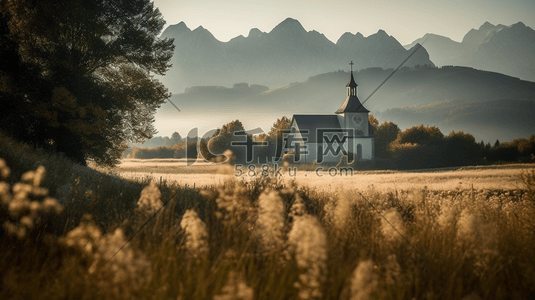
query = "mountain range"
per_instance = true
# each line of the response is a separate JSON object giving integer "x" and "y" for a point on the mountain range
{"x": 505, "y": 49}
{"x": 288, "y": 53}
{"x": 266, "y": 75}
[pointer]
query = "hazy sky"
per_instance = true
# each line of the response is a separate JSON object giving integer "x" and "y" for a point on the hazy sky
{"x": 405, "y": 20}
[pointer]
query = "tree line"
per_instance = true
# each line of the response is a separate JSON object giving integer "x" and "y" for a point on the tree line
{"x": 427, "y": 147}
{"x": 416, "y": 147}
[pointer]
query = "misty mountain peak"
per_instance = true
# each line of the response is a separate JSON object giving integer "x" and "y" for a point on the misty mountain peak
{"x": 519, "y": 25}
{"x": 254, "y": 33}
{"x": 177, "y": 29}
{"x": 381, "y": 34}
{"x": 204, "y": 33}
{"x": 237, "y": 39}
{"x": 474, "y": 37}
{"x": 289, "y": 25}
{"x": 486, "y": 25}
{"x": 348, "y": 38}
{"x": 202, "y": 30}
{"x": 429, "y": 35}
{"x": 180, "y": 26}
{"x": 433, "y": 36}
{"x": 498, "y": 48}
{"x": 349, "y": 34}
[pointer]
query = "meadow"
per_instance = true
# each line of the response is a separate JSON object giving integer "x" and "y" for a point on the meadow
{"x": 75, "y": 232}
{"x": 328, "y": 179}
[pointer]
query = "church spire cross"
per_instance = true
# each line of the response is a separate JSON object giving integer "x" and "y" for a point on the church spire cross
{"x": 351, "y": 85}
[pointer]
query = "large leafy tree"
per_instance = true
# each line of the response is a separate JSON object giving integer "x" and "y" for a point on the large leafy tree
{"x": 275, "y": 138}
{"x": 461, "y": 149}
{"x": 80, "y": 74}
{"x": 223, "y": 139}
{"x": 385, "y": 134}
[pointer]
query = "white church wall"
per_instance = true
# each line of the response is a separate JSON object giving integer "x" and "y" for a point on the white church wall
{"x": 341, "y": 119}
{"x": 309, "y": 150}
{"x": 349, "y": 122}
{"x": 329, "y": 157}
{"x": 367, "y": 147}
{"x": 312, "y": 151}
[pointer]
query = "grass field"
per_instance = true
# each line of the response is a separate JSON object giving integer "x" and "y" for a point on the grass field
{"x": 69, "y": 231}
{"x": 501, "y": 177}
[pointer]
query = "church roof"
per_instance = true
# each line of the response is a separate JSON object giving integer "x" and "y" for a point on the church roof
{"x": 352, "y": 104}
{"x": 313, "y": 122}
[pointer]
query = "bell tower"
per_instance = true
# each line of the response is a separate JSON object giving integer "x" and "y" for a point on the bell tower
{"x": 352, "y": 114}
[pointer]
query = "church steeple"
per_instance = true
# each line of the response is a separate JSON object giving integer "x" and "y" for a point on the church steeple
{"x": 351, "y": 85}
{"x": 352, "y": 103}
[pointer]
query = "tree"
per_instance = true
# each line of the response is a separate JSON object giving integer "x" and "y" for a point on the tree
{"x": 385, "y": 134}
{"x": 202, "y": 151}
{"x": 461, "y": 149}
{"x": 526, "y": 147}
{"x": 266, "y": 152}
{"x": 421, "y": 135}
{"x": 373, "y": 122}
{"x": 419, "y": 147}
{"x": 223, "y": 138}
{"x": 83, "y": 83}
{"x": 275, "y": 138}
{"x": 174, "y": 139}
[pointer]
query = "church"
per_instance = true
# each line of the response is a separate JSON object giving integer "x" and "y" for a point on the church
{"x": 324, "y": 138}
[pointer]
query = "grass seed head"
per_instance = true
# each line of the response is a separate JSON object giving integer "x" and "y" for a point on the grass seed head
{"x": 108, "y": 254}
{"x": 393, "y": 270}
{"x": 364, "y": 281}
{"x": 308, "y": 242}
{"x": 121, "y": 260}
{"x": 4, "y": 169}
{"x": 480, "y": 236}
{"x": 233, "y": 204}
{"x": 27, "y": 204}
{"x": 235, "y": 289}
{"x": 149, "y": 200}
{"x": 338, "y": 212}
{"x": 270, "y": 222}
{"x": 298, "y": 207}
{"x": 393, "y": 228}
{"x": 5, "y": 193}
{"x": 84, "y": 237}
{"x": 196, "y": 234}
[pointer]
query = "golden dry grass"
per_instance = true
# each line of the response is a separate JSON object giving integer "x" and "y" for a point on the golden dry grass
{"x": 260, "y": 238}
{"x": 502, "y": 177}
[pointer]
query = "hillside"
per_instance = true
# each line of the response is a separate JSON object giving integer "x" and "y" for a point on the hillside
{"x": 488, "y": 120}
{"x": 408, "y": 87}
